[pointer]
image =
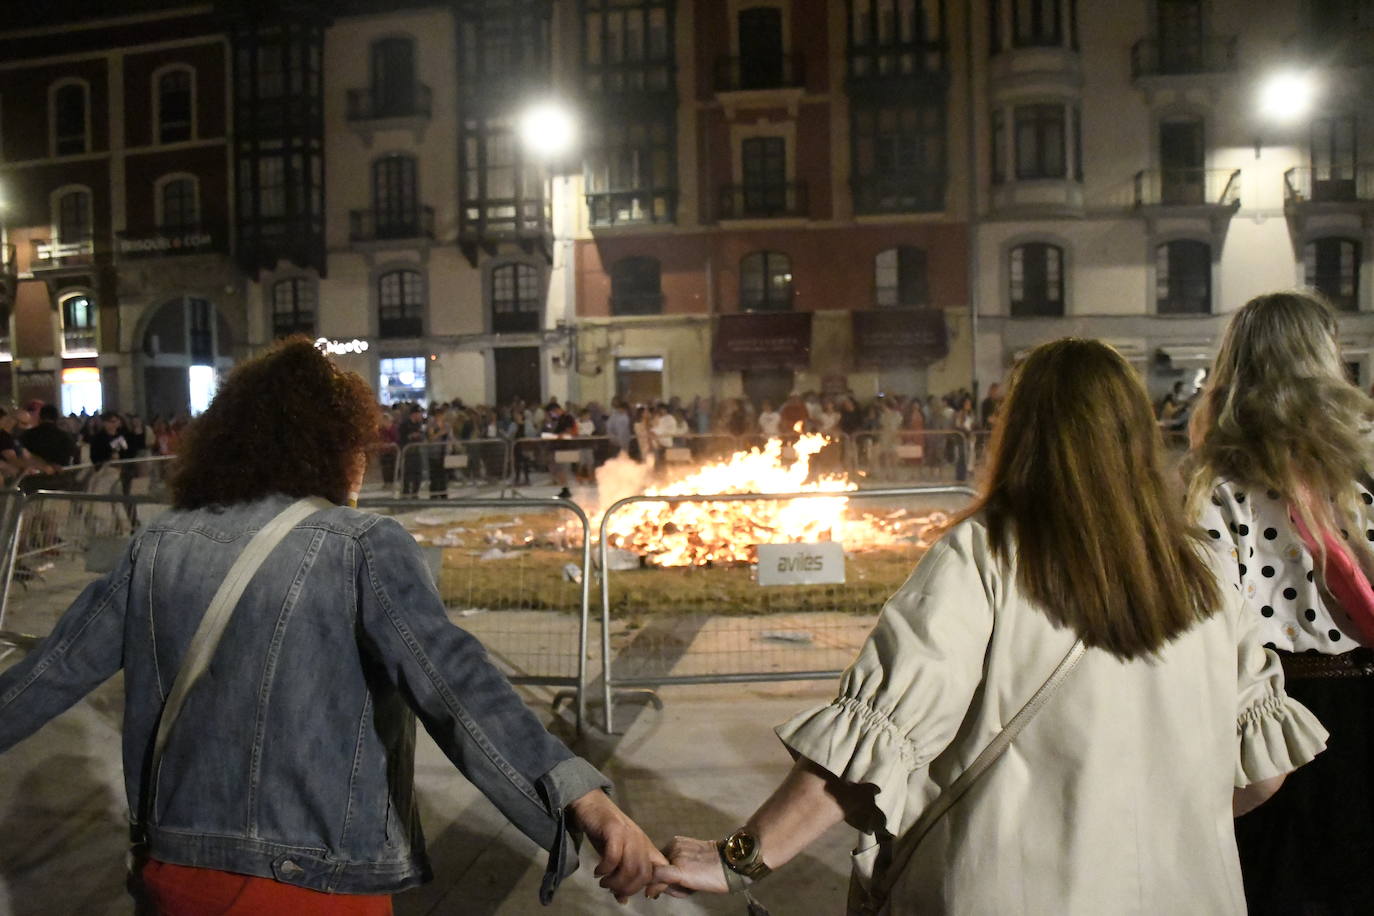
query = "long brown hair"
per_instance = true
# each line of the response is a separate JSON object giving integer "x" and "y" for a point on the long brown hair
{"x": 1279, "y": 414}
{"x": 288, "y": 421}
{"x": 1076, "y": 483}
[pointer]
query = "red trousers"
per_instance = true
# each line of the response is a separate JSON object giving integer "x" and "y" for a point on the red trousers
{"x": 179, "y": 890}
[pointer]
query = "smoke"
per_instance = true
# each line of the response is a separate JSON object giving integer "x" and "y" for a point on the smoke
{"x": 618, "y": 478}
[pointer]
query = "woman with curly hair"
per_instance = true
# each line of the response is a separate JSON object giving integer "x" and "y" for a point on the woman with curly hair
{"x": 1280, "y": 479}
{"x": 282, "y": 780}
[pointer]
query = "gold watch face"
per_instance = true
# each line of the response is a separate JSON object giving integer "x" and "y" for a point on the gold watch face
{"x": 740, "y": 847}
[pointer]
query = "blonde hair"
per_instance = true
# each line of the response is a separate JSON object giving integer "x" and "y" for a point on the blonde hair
{"x": 1077, "y": 481}
{"x": 1279, "y": 414}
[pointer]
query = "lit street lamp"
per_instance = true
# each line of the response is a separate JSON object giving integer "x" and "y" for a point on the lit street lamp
{"x": 548, "y": 130}
{"x": 1287, "y": 96}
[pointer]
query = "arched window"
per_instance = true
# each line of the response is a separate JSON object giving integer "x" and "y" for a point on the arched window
{"x": 400, "y": 304}
{"x": 516, "y": 299}
{"x": 899, "y": 278}
{"x": 636, "y": 287}
{"x": 79, "y": 326}
{"x": 69, "y": 119}
{"x": 393, "y": 77}
{"x": 1036, "y": 279}
{"x": 765, "y": 282}
{"x": 1183, "y": 278}
{"x": 174, "y": 105}
{"x": 1333, "y": 269}
{"x": 73, "y": 216}
{"x": 293, "y": 307}
{"x": 394, "y": 198}
{"x": 179, "y": 209}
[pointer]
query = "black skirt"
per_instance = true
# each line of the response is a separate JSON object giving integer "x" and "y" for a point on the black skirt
{"x": 1308, "y": 850}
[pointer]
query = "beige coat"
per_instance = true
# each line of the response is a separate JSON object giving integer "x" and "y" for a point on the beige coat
{"x": 1116, "y": 799}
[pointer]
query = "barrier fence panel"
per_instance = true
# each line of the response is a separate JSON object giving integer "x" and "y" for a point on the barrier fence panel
{"x": 564, "y": 460}
{"x": 783, "y": 612}
{"x": 510, "y": 571}
{"x": 382, "y": 468}
{"x": 431, "y": 469}
{"x": 914, "y": 455}
{"x": 701, "y": 448}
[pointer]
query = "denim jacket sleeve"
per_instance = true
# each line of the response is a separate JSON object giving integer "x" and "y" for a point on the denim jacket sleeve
{"x": 85, "y": 649}
{"x": 465, "y": 703}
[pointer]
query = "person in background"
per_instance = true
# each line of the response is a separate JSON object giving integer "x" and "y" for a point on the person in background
{"x": 664, "y": 429}
{"x": 586, "y": 462}
{"x": 53, "y": 446}
{"x": 794, "y": 418}
{"x": 410, "y": 434}
{"x": 388, "y": 438}
{"x": 770, "y": 421}
{"x": 619, "y": 427}
{"x": 644, "y": 436}
{"x": 15, "y": 461}
{"x": 109, "y": 442}
{"x": 1280, "y": 463}
{"x": 1118, "y": 795}
{"x": 438, "y": 437}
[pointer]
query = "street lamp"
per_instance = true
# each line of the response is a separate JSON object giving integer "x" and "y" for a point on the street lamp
{"x": 548, "y": 130}
{"x": 1287, "y": 96}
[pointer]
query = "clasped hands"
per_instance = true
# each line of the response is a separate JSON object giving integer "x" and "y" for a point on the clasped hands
{"x": 630, "y": 862}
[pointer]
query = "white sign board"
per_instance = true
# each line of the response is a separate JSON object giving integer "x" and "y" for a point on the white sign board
{"x": 455, "y": 462}
{"x": 910, "y": 451}
{"x": 677, "y": 455}
{"x": 567, "y": 456}
{"x": 801, "y": 564}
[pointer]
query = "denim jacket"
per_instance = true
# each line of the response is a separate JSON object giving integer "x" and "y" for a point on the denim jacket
{"x": 293, "y": 756}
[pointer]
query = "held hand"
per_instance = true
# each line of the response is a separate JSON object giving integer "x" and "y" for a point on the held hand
{"x": 628, "y": 856}
{"x": 696, "y": 866}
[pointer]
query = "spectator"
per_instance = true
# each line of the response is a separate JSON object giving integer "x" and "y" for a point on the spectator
{"x": 794, "y": 417}
{"x": 619, "y": 427}
{"x": 50, "y": 442}
{"x": 644, "y": 435}
{"x": 409, "y": 434}
{"x": 109, "y": 443}
{"x": 770, "y": 421}
{"x": 990, "y": 405}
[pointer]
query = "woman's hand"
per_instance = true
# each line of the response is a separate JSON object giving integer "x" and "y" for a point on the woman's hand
{"x": 628, "y": 856}
{"x": 696, "y": 866}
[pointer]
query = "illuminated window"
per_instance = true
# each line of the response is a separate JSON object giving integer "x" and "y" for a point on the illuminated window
{"x": 79, "y": 326}
{"x": 899, "y": 278}
{"x": 82, "y": 391}
{"x": 402, "y": 379}
{"x": 765, "y": 282}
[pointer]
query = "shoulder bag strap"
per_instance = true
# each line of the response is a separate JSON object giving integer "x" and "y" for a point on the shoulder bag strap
{"x": 211, "y": 628}
{"x": 906, "y": 846}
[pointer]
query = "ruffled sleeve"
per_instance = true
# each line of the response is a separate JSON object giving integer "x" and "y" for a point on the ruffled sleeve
{"x": 902, "y": 700}
{"x": 1274, "y": 733}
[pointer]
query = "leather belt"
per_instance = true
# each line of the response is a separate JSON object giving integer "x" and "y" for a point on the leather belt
{"x": 1306, "y": 665}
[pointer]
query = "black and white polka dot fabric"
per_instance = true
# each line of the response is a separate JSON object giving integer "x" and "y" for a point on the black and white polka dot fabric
{"x": 1274, "y": 572}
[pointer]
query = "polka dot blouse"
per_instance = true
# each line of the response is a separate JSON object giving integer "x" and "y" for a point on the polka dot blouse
{"x": 1274, "y": 571}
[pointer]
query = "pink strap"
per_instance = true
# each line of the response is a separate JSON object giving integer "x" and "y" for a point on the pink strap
{"x": 1344, "y": 579}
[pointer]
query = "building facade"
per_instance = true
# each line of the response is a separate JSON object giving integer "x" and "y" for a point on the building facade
{"x": 766, "y": 195}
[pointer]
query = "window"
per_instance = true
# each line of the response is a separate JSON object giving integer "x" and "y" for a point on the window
{"x": 516, "y": 298}
{"x": 393, "y": 77}
{"x": 1036, "y": 23}
{"x": 293, "y": 307}
{"x": 1333, "y": 269}
{"x": 899, "y": 278}
{"x": 631, "y": 170}
{"x": 69, "y": 120}
{"x": 1182, "y": 48}
{"x": 178, "y": 200}
{"x": 899, "y": 157}
{"x": 999, "y": 147}
{"x": 82, "y": 391}
{"x": 1076, "y": 114}
{"x": 765, "y": 282}
{"x": 502, "y": 194}
{"x": 400, "y": 304}
{"x": 636, "y": 287}
{"x": 402, "y": 380}
{"x": 895, "y": 38}
{"x": 503, "y": 40}
{"x": 761, "y": 61}
{"x": 1039, "y": 141}
{"x": 1036, "y": 275}
{"x": 394, "y": 197}
{"x": 1333, "y": 158}
{"x": 74, "y": 216}
{"x": 1183, "y": 278}
{"x": 174, "y": 90}
{"x": 627, "y": 45}
{"x": 79, "y": 322}
{"x": 763, "y": 161}
{"x": 202, "y": 337}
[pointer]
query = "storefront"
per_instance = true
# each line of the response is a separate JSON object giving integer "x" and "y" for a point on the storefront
{"x": 766, "y": 349}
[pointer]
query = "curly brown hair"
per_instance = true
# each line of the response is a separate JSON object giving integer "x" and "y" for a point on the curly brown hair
{"x": 288, "y": 421}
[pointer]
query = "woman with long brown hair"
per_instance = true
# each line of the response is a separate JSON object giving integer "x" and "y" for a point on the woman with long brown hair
{"x": 1115, "y": 790}
{"x": 1280, "y": 479}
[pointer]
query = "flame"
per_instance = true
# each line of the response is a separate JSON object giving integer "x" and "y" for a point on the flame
{"x": 701, "y": 533}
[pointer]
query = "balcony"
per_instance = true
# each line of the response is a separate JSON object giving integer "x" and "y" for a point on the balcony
{"x": 614, "y": 208}
{"x": 764, "y": 201}
{"x": 898, "y": 195}
{"x": 370, "y": 111}
{"x": 488, "y": 223}
{"x": 370, "y": 226}
{"x": 1341, "y": 187}
{"x": 168, "y": 241}
{"x": 755, "y": 74}
{"x": 1151, "y": 57}
{"x": 52, "y": 255}
{"x": 1188, "y": 188}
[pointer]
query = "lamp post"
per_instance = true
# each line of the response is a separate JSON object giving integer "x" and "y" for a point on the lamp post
{"x": 1285, "y": 97}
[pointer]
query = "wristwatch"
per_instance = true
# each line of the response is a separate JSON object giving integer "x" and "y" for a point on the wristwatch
{"x": 742, "y": 856}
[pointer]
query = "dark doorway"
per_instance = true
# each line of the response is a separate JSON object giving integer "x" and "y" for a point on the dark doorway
{"x": 518, "y": 375}
{"x": 393, "y": 77}
{"x": 1180, "y": 36}
{"x": 1182, "y": 155}
{"x": 167, "y": 392}
{"x": 772, "y": 385}
{"x": 760, "y": 48}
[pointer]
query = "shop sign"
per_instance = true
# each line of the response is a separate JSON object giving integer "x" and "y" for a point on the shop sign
{"x": 763, "y": 341}
{"x": 801, "y": 564}
{"x": 158, "y": 244}
{"x": 341, "y": 347}
{"x": 900, "y": 337}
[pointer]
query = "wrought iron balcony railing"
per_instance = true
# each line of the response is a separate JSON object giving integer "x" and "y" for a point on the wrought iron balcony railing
{"x": 782, "y": 71}
{"x": 763, "y": 201}
{"x": 49, "y": 254}
{"x": 1335, "y": 184}
{"x": 610, "y": 208}
{"x": 1187, "y": 188}
{"x": 1209, "y": 54}
{"x": 371, "y": 105}
{"x": 378, "y": 226}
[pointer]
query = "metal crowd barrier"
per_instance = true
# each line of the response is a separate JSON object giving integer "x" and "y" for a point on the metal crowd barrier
{"x": 678, "y": 625}
{"x": 513, "y": 572}
{"x": 430, "y": 468}
{"x": 563, "y": 459}
{"x": 909, "y": 455}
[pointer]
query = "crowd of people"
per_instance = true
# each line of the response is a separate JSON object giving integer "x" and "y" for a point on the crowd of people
{"x": 40, "y": 448}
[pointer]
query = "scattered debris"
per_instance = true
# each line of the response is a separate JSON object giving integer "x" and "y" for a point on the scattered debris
{"x": 792, "y": 636}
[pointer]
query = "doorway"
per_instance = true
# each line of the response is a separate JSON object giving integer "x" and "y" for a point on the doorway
{"x": 1182, "y": 157}
{"x": 760, "y": 48}
{"x": 519, "y": 374}
{"x": 772, "y": 385}
{"x": 639, "y": 379}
